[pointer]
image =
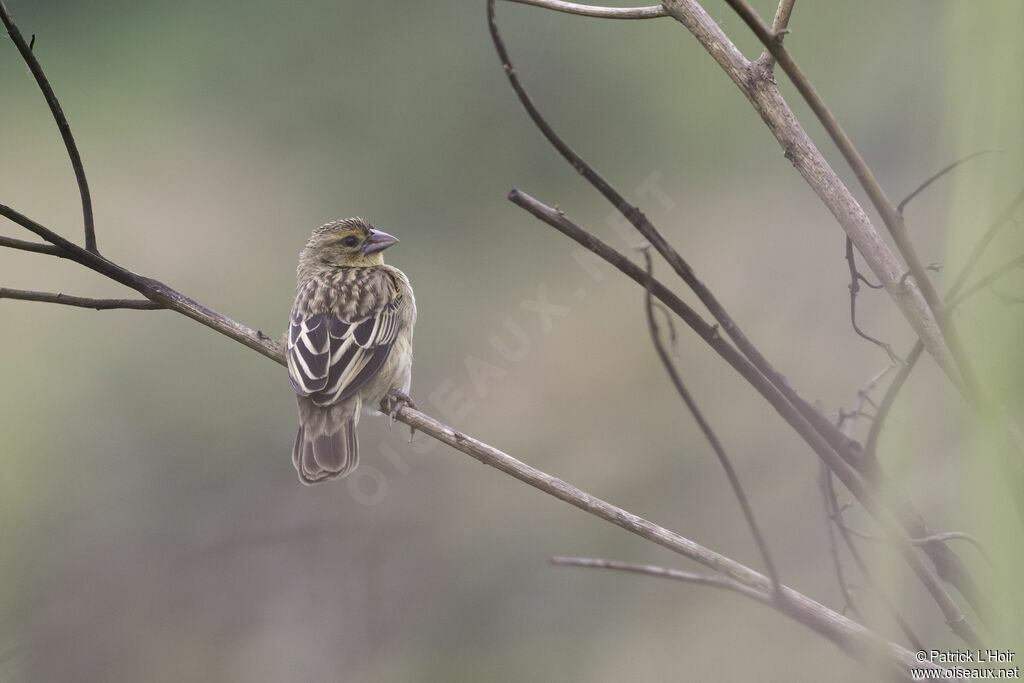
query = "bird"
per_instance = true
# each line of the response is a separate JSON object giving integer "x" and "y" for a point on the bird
{"x": 349, "y": 343}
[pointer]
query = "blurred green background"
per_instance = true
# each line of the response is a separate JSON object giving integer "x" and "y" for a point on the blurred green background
{"x": 153, "y": 527}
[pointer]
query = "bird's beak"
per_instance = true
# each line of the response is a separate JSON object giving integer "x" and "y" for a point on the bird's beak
{"x": 378, "y": 241}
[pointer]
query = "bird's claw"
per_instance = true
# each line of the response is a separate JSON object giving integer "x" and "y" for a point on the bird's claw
{"x": 395, "y": 401}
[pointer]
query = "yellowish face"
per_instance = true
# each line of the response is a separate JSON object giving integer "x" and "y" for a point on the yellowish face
{"x": 350, "y": 242}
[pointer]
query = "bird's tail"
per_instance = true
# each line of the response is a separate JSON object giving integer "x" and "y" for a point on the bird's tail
{"x": 326, "y": 446}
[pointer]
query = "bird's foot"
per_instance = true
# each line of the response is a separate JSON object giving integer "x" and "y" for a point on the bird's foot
{"x": 395, "y": 401}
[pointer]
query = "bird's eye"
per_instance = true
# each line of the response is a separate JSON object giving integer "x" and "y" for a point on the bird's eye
{"x": 350, "y": 241}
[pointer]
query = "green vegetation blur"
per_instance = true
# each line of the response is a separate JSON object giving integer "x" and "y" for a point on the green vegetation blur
{"x": 153, "y": 526}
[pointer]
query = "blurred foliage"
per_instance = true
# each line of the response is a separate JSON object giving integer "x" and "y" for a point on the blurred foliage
{"x": 154, "y": 529}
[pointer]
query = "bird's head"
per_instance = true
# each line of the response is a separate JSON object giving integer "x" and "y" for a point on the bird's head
{"x": 346, "y": 242}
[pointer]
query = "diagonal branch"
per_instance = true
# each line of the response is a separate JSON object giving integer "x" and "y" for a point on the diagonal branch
{"x": 79, "y": 301}
{"x": 947, "y": 564}
{"x": 599, "y": 12}
{"x": 62, "y": 123}
{"x": 758, "y": 85}
{"x": 836, "y": 440}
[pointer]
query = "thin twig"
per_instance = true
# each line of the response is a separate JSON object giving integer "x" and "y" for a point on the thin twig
{"x": 855, "y": 279}
{"x": 926, "y": 540}
{"x": 62, "y": 123}
{"x": 780, "y": 26}
{"x": 599, "y": 12}
{"x": 833, "y": 549}
{"x": 705, "y": 428}
{"x": 923, "y": 186}
{"x": 79, "y": 301}
{"x": 36, "y": 247}
{"x": 665, "y": 573}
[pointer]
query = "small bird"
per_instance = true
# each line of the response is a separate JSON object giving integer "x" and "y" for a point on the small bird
{"x": 349, "y": 343}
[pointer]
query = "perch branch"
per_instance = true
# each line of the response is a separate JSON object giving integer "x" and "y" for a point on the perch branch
{"x": 847, "y": 634}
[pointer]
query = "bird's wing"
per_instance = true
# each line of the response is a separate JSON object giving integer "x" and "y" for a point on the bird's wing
{"x": 329, "y": 357}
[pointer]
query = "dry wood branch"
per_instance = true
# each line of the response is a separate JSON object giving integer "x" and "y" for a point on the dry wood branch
{"x": 851, "y": 479}
{"x": 850, "y": 636}
{"x": 846, "y": 447}
{"x": 79, "y": 301}
{"x": 757, "y": 84}
{"x": 62, "y": 123}
{"x": 653, "y": 12}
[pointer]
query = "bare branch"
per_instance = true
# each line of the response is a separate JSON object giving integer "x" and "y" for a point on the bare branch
{"x": 946, "y": 563}
{"x": 36, "y": 247}
{"x": 705, "y": 427}
{"x": 923, "y": 186}
{"x": 824, "y": 479}
{"x": 62, "y": 123}
{"x": 665, "y": 573}
{"x": 653, "y": 12}
{"x": 836, "y": 440}
{"x": 79, "y": 301}
{"x": 850, "y": 636}
{"x": 754, "y": 80}
{"x": 893, "y": 220}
